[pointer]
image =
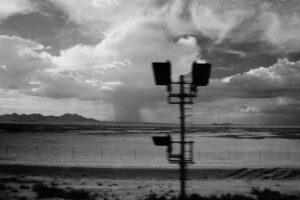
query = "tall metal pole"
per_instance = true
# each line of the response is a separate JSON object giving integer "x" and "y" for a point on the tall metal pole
{"x": 182, "y": 131}
{"x": 200, "y": 77}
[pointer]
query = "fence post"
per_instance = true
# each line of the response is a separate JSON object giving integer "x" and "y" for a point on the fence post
{"x": 7, "y": 151}
{"x": 37, "y": 151}
{"x": 72, "y": 152}
{"x": 101, "y": 153}
{"x": 116, "y": 152}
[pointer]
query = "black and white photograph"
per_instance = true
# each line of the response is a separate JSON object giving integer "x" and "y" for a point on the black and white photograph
{"x": 150, "y": 99}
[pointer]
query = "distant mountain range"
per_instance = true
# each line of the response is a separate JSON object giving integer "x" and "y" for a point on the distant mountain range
{"x": 38, "y": 118}
{"x": 226, "y": 124}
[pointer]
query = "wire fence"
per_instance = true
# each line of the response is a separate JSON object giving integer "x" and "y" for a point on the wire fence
{"x": 111, "y": 155}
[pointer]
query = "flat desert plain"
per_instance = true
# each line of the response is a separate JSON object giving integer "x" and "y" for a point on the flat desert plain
{"x": 121, "y": 162}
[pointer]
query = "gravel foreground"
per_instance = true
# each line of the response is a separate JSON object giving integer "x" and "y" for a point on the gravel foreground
{"x": 27, "y": 181}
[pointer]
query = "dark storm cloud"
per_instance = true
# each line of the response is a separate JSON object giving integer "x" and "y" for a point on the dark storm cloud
{"x": 230, "y": 58}
{"x": 237, "y": 36}
{"x": 47, "y": 24}
{"x": 270, "y": 93}
{"x": 128, "y": 102}
{"x": 282, "y": 114}
{"x": 278, "y": 80}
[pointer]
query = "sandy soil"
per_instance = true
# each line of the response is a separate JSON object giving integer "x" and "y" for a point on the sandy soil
{"x": 136, "y": 183}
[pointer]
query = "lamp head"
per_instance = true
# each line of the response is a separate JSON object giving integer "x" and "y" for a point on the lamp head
{"x": 162, "y": 140}
{"x": 200, "y": 74}
{"x": 162, "y": 72}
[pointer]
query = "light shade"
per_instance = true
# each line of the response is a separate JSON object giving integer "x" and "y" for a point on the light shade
{"x": 162, "y": 73}
{"x": 200, "y": 74}
{"x": 162, "y": 140}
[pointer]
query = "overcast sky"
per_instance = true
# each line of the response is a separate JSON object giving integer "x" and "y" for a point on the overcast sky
{"x": 93, "y": 57}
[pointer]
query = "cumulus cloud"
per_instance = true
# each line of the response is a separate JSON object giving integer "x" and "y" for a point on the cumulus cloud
{"x": 117, "y": 70}
{"x": 125, "y": 57}
{"x": 27, "y": 68}
{"x": 231, "y": 34}
{"x": 105, "y": 3}
{"x": 280, "y": 79}
{"x": 22, "y": 59}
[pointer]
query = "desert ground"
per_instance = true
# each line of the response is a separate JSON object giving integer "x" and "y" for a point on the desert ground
{"x": 19, "y": 181}
{"x": 121, "y": 162}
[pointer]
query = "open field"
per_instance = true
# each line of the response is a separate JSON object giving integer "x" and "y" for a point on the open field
{"x": 228, "y": 131}
{"x": 120, "y": 144}
{"x": 120, "y": 161}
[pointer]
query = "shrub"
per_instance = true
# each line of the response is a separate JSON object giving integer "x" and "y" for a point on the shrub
{"x": 3, "y": 187}
{"x": 268, "y": 194}
{"x": 24, "y": 187}
{"x": 265, "y": 194}
{"x": 44, "y": 191}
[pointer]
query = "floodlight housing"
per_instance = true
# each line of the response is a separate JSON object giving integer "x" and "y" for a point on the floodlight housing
{"x": 200, "y": 74}
{"x": 162, "y": 72}
{"x": 162, "y": 140}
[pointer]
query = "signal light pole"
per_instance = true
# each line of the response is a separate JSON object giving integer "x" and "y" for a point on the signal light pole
{"x": 200, "y": 77}
{"x": 182, "y": 139}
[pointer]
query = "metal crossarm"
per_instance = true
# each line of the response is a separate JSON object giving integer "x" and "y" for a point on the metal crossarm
{"x": 175, "y": 158}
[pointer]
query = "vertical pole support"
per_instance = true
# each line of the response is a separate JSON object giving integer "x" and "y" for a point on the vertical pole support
{"x": 182, "y": 140}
